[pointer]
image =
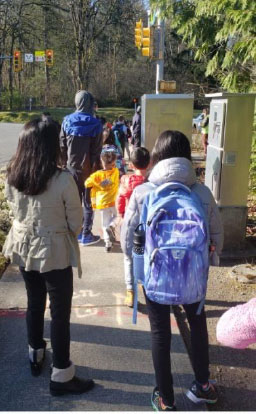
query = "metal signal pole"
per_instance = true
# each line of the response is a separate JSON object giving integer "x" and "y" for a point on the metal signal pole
{"x": 160, "y": 61}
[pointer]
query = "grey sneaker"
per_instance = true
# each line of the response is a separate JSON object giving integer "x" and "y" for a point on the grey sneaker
{"x": 197, "y": 394}
{"x": 111, "y": 233}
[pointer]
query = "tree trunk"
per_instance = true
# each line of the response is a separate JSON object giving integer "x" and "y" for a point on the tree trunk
{"x": 47, "y": 72}
{"x": 11, "y": 75}
{"x": 1, "y": 78}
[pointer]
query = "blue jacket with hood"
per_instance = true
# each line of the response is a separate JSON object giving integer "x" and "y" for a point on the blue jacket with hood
{"x": 81, "y": 139}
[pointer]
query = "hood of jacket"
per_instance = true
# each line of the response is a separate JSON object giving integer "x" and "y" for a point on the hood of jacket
{"x": 84, "y": 102}
{"x": 82, "y": 125}
{"x": 173, "y": 169}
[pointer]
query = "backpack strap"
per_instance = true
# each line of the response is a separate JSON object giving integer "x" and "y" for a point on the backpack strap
{"x": 200, "y": 306}
{"x": 135, "y": 302}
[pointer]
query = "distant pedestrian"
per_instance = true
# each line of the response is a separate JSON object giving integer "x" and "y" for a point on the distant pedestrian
{"x": 236, "y": 328}
{"x": 120, "y": 131}
{"x": 81, "y": 143}
{"x": 104, "y": 186}
{"x": 205, "y": 129}
{"x": 136, "y": 128}
{"x": 108, "y": 138}
{"x": 42, "y": 241}
{"x": 171, "y": 159}
{"x": 140, "y": 159}
{"x": 95, "y": 109}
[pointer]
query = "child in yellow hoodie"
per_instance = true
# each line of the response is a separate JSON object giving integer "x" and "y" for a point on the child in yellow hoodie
{"x": 104, "y": 187}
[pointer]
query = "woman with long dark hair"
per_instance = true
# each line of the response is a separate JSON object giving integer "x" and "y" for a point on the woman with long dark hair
{"x": 171, "y": 160}
{"x": 42, "y": 241}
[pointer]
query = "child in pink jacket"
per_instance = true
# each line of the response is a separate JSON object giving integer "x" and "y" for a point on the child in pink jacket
{"x": 237, "y": 326}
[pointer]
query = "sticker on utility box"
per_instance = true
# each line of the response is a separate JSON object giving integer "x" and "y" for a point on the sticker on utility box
{"x": 230, "y": 158}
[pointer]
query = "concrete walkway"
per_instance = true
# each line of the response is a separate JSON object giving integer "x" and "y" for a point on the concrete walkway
{"x": 105, "y": 345}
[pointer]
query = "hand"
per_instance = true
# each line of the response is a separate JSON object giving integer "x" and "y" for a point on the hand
{"x": 212, "y": 249}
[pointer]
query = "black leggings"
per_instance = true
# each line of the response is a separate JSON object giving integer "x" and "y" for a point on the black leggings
{"x": 59, "y": 285}
{"x": 159, "y": 318}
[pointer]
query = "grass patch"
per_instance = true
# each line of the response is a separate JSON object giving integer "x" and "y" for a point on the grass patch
{"x": 110, "y": 113}
{"x": 58, "y": 113}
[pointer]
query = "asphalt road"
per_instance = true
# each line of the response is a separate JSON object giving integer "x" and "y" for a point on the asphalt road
{"x": 9, "y": 134}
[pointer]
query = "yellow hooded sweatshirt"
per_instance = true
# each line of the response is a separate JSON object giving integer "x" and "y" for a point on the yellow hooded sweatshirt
{"x": 103, "y": 196}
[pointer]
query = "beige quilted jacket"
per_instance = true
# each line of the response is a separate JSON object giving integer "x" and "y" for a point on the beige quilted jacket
{"x": 45, "y": 226}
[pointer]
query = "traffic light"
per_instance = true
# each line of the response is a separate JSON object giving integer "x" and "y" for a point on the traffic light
{"x": 17, "y": 63}
{"x": 49, "y": 57}
{"x": 147, "y": 42}
{"x": 138, "y": 34}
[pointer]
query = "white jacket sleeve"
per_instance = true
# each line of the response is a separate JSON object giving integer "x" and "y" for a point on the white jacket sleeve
{"x": 130, "y": 222}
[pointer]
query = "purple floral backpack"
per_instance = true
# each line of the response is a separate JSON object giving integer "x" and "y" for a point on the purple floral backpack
{"x": 176, "y": 255}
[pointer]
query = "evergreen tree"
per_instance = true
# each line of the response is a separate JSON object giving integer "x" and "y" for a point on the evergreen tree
{"x": 221, "y": 34}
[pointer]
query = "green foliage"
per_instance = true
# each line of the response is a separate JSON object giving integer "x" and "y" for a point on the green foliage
{"x": 222, "y": 35}
{"x": 93, "y": 50}
{"x": 252, "y": 173}
{"x": 4, "y": 222}
{"x": 17, "y": 99}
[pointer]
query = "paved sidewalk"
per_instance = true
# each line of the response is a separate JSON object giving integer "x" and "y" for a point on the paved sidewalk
{"x": 105, "y": 345}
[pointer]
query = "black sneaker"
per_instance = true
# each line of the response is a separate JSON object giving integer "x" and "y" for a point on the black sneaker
{"x": 74, "y": 386}
{"x": 197, "y": 394}
{"x": 158, "y": 404}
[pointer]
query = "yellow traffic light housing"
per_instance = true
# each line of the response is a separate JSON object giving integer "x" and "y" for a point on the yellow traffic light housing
{"x": 138, "y": 34}
{"x": 17, "y": 63}
{"x": 49, "y": 57}
{"x": 139, "y": 24}
{"x": 147, "y": 47}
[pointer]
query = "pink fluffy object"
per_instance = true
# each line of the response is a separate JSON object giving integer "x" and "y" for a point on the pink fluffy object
{"x": 237, "y": 327}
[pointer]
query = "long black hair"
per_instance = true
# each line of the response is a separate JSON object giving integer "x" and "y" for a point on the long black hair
{"x": 37, "y": 156}
{"x": 171, "y": 144}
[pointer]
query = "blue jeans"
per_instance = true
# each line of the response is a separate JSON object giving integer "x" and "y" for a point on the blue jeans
{"x": 59, "y": 285}
{"x": 85, "y": 198}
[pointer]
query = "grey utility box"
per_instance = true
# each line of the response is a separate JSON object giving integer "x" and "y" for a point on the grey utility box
{"x": 165, "y": 111}
{"x": 228, "y": 160}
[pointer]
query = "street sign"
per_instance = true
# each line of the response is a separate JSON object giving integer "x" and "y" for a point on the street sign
{"x": 28, "y": 57}
{"x": 167, "y": 86}
{"x": 40, "y": 55}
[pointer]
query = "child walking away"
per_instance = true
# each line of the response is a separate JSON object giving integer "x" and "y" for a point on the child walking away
{"x": 104, "y": 187}
{"x": 110, "y": 140}
{"x": 140, "y": 159}
{"x": 181, "y": 222}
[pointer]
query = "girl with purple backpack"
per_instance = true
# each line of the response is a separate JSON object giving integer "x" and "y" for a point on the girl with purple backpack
{"x": 171, "y": 159}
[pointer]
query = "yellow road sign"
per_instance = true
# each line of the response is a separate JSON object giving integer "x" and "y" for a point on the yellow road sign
{"x": 40, "y": 55}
